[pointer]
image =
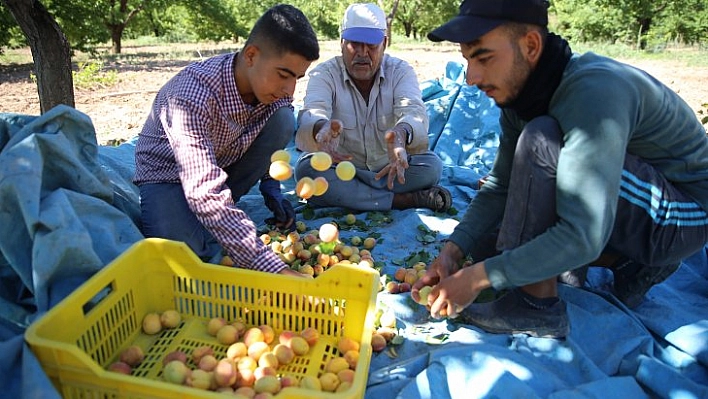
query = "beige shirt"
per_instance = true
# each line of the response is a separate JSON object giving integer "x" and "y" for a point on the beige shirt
{"x": 395, "y": 98}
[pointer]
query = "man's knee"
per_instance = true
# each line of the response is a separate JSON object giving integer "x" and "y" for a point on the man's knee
{"x": 281, "y": 126}
{"x": 541, "y": 137}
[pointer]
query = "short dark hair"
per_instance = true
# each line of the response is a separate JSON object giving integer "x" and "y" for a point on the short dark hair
{"x": 282, "y": 29}
{"x": 517, "y": 29}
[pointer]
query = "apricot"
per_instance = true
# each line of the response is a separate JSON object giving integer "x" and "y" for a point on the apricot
{"x": 170, "y": 318}
{"x": 321, "y": 185}
{"x": 320, "y": 161}
{"x": 268, "y": 359}
{"x": 227, "y": 335}
{"x": 329, "y": 382}
{"x": 246, "y": 363}
{"x": 289, "y": 381}
{"x": 346, "y": 251}
{"x": 257, "y": 349}
{"x": 253, "y": 335}
{"x": 246, "y": 378}
{"x": 343, "y": 386}
{"x": 311, "y": 335}
{"x": 151, "y": 323}
{"x": 345, "y": 170}
{"x": 352, "y": 358}
{"x": 311, "y": 382}
{"x": 356, "y": 241}
{"x": 350, "y": 219}
{"x": 236, "y": 350}
{"x": 261, "y": 372}
{"x": 328, "y": 232}
{"x": 280, "y": 170}
{"x": 400, "y": 273}
{"x": 423, "y": 294}
{"x": 225, "y": 373}
{"x": 346, "y": 375}
{"x": 175, "y": 372}
{"x": 305, "y": 187}
{"x": 268, "y": 333}
{"x": 285, "y": 337}
{"x": 388, "y": 319}
{"x": 175, "y": 355}
{"x": 214, "y": 325}
{"x": 283, "y": 353}
{"x": 132, "y": 355}
{"x": 378, "y": 342}
{"x": 299, "y": 345}
{"x": 120, "y": 367}
{"x": 336, "y": 364}
{"x": 245, "y": 391}
{"x": 200, "y": 379}
{"x": 345, "y": 344}
{"x": 268, "y": 383}
{"x": 369, "y": 242}
{"x": 404, "y": 287}
{"x": 411, "y": 276}
{"x": 207, "y": 363}
{"x": 280, "y": 155}
{"x": 199, "y": 352}
{"x": 306, "y": 269}
{"x": 300, "y": 226}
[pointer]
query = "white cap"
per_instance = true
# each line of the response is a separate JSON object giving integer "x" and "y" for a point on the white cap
{"x": 364, "y": 23}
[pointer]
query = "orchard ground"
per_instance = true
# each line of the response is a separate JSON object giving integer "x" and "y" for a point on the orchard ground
{"x": 118, "y": 106}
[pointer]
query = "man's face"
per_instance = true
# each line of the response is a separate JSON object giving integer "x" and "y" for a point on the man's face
{"x": 362, "y": 60}
{"x": 496, "y": 65}
{"x": 273, "y": 76}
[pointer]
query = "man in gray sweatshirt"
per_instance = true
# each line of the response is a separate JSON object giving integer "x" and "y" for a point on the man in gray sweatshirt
{"x": 599, "y": 163}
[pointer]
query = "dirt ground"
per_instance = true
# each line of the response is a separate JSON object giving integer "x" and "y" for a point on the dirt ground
{"x": 118, "y": 111}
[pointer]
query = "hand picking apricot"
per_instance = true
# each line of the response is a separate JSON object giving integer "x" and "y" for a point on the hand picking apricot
{"x": 320, "y": 161}
{"x": 423, "y": 295}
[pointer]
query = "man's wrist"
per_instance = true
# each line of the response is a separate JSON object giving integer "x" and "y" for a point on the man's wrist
{"x": 316, "y": 127}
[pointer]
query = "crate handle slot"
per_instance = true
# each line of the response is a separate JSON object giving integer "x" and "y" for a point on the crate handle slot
{"x": 100, "y": 296}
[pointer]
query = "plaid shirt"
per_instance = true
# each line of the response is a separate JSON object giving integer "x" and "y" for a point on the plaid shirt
{"x": 198, "y": 125}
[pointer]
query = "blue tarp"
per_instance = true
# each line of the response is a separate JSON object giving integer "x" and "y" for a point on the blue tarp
{"x": 67, "y": 208}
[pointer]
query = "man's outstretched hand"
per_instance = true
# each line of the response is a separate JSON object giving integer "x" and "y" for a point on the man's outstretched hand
{"x": 327, "y": 139}
{"x": 397, "y": 159}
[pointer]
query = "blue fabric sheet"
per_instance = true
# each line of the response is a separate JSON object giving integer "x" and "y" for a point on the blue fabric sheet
{"x": 67, "y": 208}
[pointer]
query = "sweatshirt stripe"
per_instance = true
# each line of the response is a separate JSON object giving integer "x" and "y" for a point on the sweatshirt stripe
{"x": 662, "y": 212}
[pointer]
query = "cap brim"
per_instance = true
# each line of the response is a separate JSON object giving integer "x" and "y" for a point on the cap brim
{"x": 364, "y": 35}
{"x": 463, "y": 29}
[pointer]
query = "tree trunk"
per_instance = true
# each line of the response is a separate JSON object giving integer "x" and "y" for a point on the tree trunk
{"x": 116, "y": 38}
{"x": 50, "y": 51}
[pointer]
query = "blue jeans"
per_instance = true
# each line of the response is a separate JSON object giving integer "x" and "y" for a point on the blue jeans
{"x": 163, "y": 206}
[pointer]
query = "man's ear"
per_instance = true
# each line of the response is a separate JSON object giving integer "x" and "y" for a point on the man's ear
{"x": 250, "y": 53}
{"x": 532, "y": 45}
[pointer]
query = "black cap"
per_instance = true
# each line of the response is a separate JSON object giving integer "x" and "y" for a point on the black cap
{"x": 478, "y": 17}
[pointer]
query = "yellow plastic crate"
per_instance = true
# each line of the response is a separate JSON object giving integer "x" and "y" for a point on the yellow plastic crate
{"x": 77, "y": 339}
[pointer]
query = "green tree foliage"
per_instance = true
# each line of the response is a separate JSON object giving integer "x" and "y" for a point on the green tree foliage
{"x": 646, "y": 23}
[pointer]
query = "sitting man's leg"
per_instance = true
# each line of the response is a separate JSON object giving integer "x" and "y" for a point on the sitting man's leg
{"x": 165, "y": 214}
{"x": 365, "y": 193}
{"x": 534, "y": 309}
{"x": 655, "y": 228}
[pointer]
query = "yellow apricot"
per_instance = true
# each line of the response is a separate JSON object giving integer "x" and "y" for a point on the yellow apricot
{"x": 280, "y": 155}
{"x": 345, "y": 170}
{"x": 305, "y": 187}
{"x": 320, "y": 161}
{"x": 280, "y": 170}
{"x": 321, "y": 185}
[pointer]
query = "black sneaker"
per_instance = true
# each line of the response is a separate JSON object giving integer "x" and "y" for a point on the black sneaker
{"x": 515, "y": 314}
{"x": 575, "y": 278}
{"x": 633, "y": 280}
